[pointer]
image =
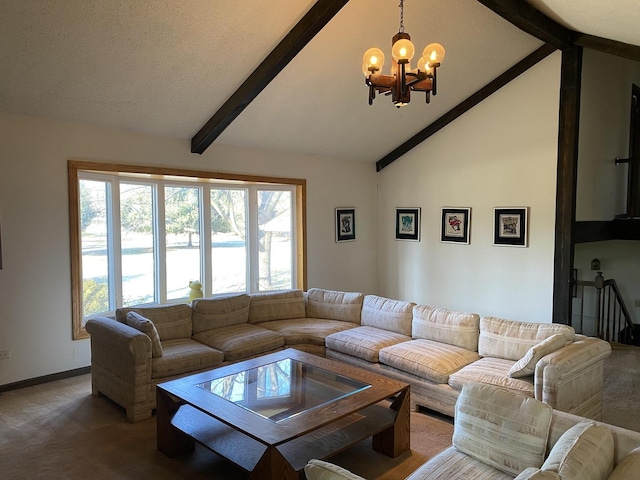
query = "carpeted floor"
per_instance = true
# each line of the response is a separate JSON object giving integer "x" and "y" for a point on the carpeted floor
{"x": 59, "y": 431}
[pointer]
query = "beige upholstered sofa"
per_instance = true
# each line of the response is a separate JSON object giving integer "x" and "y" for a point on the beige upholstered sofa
{"x": 499, "y": 435}
{"x": 436, "y": 351}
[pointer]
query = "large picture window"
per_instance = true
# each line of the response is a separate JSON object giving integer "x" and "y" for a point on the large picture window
{"x": 140, "y": 235}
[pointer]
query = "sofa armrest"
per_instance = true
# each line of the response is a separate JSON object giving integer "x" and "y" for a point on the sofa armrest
{"x": 121, "y": 364}
{"x": 570, "y": 379}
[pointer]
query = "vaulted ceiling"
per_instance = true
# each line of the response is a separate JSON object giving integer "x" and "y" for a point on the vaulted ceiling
{"x": 165, "y": 67}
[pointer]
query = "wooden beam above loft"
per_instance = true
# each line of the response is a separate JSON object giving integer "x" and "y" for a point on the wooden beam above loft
{"x": 314, "y": 20}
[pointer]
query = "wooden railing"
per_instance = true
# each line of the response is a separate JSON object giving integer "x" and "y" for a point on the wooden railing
{"x": 612, "y": 319}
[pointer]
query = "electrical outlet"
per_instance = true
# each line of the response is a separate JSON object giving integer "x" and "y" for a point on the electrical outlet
{"x": 5, "y": 354}
{"x": 637, "y": 304}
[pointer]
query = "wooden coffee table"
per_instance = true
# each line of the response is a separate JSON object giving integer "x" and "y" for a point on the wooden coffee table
{"x": 270, "y": 415}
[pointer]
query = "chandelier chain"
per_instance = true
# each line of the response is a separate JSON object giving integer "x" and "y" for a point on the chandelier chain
{"x": 401, "y": 30}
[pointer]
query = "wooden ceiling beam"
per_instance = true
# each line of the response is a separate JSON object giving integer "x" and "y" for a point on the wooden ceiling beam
{"x": 531, "y": 21}
{"x": 612, "y": 47}
{"x": 314, "y": 20}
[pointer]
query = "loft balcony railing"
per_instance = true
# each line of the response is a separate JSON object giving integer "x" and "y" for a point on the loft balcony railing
{"x": 611, "y": 319}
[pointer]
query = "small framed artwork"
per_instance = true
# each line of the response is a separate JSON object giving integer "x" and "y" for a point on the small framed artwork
{"x": 510, "y": 226}
{"x": 345, "y": 224}
{"x": 455, "y": 225}
{"x": 408, "y": 224}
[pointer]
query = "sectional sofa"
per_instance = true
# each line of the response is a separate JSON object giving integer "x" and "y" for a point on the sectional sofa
{"x": 500, "y": 435}
{"x": 436, "y": 351}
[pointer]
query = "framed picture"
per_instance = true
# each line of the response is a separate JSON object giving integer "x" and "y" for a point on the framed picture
{"x": 510, "y": 226}
{"x": 408, "y": 224}
{"x": 455, "y": 225}
{"x": 345, "y": 224}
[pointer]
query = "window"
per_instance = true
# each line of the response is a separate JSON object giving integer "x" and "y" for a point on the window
{"x": 140, "y": 235}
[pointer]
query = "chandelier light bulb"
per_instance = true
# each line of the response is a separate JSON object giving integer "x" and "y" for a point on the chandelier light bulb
{"x": 372, "y": 61}
{"x": 403, "y": 50}
{"x": 434, "y": 53}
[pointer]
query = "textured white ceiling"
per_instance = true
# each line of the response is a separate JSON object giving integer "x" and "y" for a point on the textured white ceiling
{"x": 165, "y": 66}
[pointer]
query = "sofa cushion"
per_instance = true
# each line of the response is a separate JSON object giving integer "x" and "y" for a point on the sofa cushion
{"x": 183, "y": 355}
{"x": 216, "y": 312}
{"x": 240, "y": 341}
{"x": 537, "y": 474}
{"x": 585, "y": 452}
{"x": 319, "y": 470}
{"x": 333, "y": 305}
{"x": 628, "y": 468}
{"x": 171, "y": 321}
{"x": 364, "y": 342}
{"x": 146, "y": 326}
{"x": 392, "y": 315}
{"x": 510, "y": 339}
{"x": 427, "y": 359}
{"x": 311, "y": 331}
{"x": 527, "y": 364}
{"x": 505, "y": 430}
{"x": 492, "y": 371}
{"x": 446, "y": 326}
{"x": 452, "y": 464}
{"x": 265, "y": 307}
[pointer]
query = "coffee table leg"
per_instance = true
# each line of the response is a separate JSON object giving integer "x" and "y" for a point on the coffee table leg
{"x": 170, "y": 441}
{"x": 273, "y": 466}
{"x": 394, "y": 441}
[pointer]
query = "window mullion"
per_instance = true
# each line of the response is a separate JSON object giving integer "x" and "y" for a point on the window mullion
{"x": 115, "y": 244}
{"x": 253, "y": 260}
{"x": 205, "y": 240}
{"x": 160, "y": 243}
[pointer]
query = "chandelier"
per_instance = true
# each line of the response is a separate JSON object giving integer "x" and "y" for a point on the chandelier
{"x": 402, "y": 79}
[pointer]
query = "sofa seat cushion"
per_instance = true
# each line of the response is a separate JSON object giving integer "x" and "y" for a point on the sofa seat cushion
{"x": 183, "y": 355}
{"x": 239, "y": 341}
{"x": 269, "y": 306}
{"x": 510, "y": 339}
{"x": 387, "y": 314}
{"x": 216, "y": 312}
{"x": 171, "y": 321}
{"x": 312, "y": 331}
{"x": 452, "y": 464}
{"x": 492, "y": 371}
{"x": 427, "y": 359}
{"x": 364, "y": 342}
{"x": 446, "y": 326}
{"x": 503, "y": 429}
{"x": 584, "y": 452}
{"x": 334, "y": 305}
{"x": 532, "y": 473}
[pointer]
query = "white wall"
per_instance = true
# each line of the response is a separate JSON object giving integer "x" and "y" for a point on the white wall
{"x": 604, "y": 135}
{"x": 501, "y": 153}
{"x": 35, "y": 293}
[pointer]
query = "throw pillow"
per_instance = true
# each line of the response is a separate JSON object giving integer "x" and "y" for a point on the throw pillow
{"x": 583, "y": 452}
{"x": 527, "y": 364}
{"x": 146, "y": 326}
{"x": 319, "y": 470}
{"x": 503, "y": 429}
{"x": 628, "y": 468}
{"x": 537, "y": 474}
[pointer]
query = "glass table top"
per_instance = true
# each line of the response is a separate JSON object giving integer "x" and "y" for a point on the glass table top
{"x": 282, "y": 389}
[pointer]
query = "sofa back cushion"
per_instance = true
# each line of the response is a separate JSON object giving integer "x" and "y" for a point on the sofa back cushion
{"x": 584, "y": 452}
{"x": 171, "y": 321}
{"x": 265, "y": 307}
{"x": 387, "y": 314}
{"x": 334, "y": 305}
{"x": 216, "y": 312}
{"x": 501, "y": 428}
{"x": 446, "y": 326}
{"x": 511, "y": 339}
